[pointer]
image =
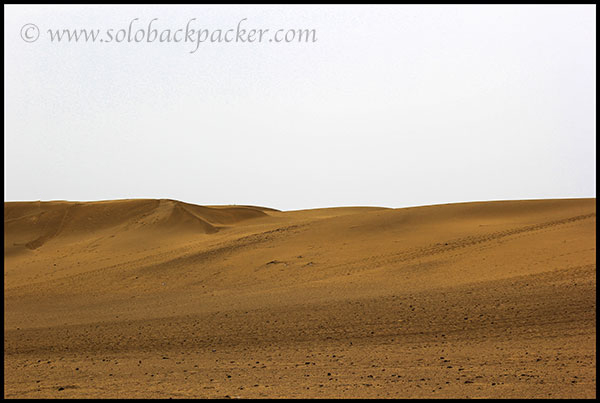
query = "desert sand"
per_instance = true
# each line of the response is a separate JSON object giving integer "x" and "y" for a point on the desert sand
{"x": 160, "y": 298}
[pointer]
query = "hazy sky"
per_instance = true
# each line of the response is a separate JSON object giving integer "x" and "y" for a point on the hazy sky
{"x": 391, "y": 106}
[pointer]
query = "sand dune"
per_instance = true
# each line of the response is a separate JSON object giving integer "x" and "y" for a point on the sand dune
{"x": 160, "y": 298}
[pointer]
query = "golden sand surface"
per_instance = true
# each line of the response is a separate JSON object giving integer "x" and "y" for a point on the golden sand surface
{"x": 160, "y": 298}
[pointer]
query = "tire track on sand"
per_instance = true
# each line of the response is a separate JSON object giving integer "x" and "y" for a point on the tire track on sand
{"x": 476, "y": 240}
{"x": 460, "y": 243}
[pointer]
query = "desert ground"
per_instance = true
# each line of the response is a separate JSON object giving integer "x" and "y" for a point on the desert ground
{"x": 160, "y": 298}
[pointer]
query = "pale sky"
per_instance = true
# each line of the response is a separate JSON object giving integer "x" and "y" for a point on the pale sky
{"x": 392, "y": 106}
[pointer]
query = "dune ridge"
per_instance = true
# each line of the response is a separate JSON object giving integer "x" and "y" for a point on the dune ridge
{"x": 41, "y": 221}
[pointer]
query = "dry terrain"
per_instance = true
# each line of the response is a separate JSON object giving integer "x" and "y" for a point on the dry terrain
{"x": 160, "y": 298}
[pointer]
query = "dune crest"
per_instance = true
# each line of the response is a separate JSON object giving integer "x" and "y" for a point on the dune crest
{"x": 32, "y": 224}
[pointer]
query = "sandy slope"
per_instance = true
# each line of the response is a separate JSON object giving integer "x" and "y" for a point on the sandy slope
{"x": 159, "y": 298}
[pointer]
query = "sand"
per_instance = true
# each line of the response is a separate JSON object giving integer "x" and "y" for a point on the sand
{"x": 159, "y": 298}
